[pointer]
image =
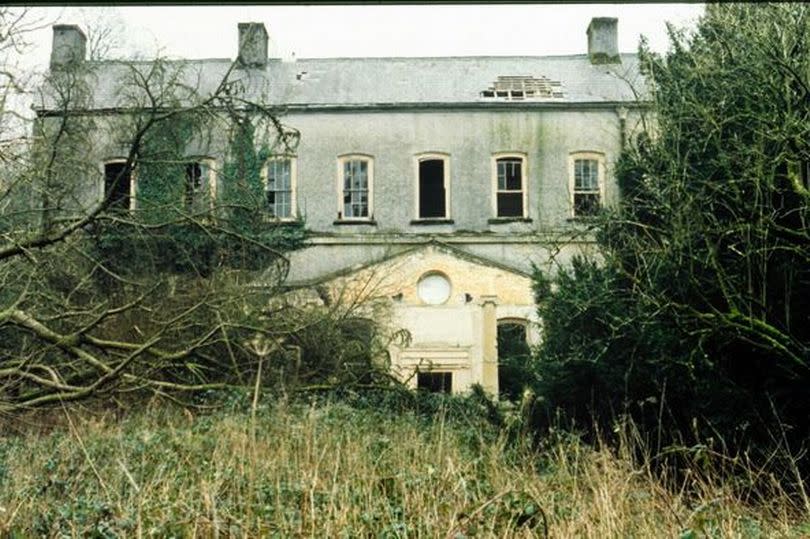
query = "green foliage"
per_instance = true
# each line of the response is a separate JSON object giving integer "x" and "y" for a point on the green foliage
{"x": 233, "y": 233}
{"x": 190, "y": 249}
{"x": 698, "y": 315}
{"x": 514, "y": 361}
{"x": 350, "y": 466}
{"x": 161, "y": 169}
{"x": 244, "y": 193}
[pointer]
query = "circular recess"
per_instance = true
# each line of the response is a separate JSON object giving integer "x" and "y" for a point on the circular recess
{"x": 433, "y": 288}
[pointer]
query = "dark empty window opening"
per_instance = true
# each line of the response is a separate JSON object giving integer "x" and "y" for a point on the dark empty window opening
{"x": 117, "y": 185}
{"x": 435, "y": 382}
{"x": 513, "y": 356}
{"x": 432, "y": 194}
{"x": 510, "y": 187}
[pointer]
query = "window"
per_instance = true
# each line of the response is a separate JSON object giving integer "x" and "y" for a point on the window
{"x": 199, "y": 185}
{"x": 434, "y": 288}
{"x": 435, "y": 382}
{"x": 513, "y": 356}
{"x": 431, "y": 186}
{"x": 517, "y": 88}
{"x": 356, "y": 178}
{"x": 119, "y": 185}
{"x": 279, "y": 182}
{"x": 587, "y": 184}
{"x": 509, "y": 182}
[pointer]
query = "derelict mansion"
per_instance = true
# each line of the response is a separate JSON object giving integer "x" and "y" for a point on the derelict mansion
{"x": 451, "y": 176}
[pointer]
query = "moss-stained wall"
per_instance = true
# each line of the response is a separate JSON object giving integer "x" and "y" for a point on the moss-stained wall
{"x": 546, "y": 136}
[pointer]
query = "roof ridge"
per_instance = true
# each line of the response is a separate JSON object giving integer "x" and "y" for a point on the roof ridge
{"x": 357, "y": 58}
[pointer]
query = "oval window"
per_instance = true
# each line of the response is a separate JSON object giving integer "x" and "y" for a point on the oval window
{"x": 433, "y": 288}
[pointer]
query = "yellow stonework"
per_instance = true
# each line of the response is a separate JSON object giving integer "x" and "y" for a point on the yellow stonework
{"x": 458, "y": 336}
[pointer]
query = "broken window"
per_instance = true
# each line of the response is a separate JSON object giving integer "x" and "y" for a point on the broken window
{"x": 280, "y": 187}
{"x": 356, "y": 180}
{"x": 435, "y": 382}
{"x": 509, "y": 186}
{"x": 513, "y": 357}
{"x": 432, "y": 188}
{"x": 118, "y": 185}
{"x": 198, "y": 185}
{"x": 521, "y": 87}
{"x": 587, "y": 185}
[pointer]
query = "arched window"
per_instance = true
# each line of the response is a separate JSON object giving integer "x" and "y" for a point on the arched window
{"x": 355, "y": 187}
{"x": 279, "y": 177}
{"x": 432, "y": 186}
{"x": 513, "y": 357}
{"x": 586, "y": 183}
{"x": 509, "y": 189}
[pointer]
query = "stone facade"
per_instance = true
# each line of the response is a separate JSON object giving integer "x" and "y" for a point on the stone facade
{"x": 516, "y": 151}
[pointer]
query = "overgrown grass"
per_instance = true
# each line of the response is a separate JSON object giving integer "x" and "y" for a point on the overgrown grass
{"x": 334, "y": 470}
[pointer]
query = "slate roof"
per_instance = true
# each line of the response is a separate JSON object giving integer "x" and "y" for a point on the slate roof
{"x": 385, "y": 82}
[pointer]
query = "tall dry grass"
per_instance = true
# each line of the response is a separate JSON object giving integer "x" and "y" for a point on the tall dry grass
{"x": 335, "y": 471}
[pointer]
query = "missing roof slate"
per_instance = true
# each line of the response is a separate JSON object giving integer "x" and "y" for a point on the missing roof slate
{"x": 522, "y": 87}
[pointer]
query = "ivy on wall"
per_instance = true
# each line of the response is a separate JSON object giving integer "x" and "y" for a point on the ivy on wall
{"x": 233, "y": 232}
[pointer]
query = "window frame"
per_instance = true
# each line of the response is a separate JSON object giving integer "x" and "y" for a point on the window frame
{"x": 341, "y": 161}
{"x": 133, "y": 189}
{"x": 524, "y": 184}
{"x": 446, "y": 380}
{"x": 515, "y": 321}
{"x": 293, "y": 185}
{"x": 432, "y": 156}
{"x": 210, "y": 164}
{"x": 591, "y": 155}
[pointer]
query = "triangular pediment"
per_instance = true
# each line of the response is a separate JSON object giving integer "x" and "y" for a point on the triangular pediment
{"x": 398, "y": 275}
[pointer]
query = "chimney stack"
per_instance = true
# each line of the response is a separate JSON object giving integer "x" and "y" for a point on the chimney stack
{"x": 603, "y": 40}
{"x": 252, "y": 44}
{"x": 69, "y": 46}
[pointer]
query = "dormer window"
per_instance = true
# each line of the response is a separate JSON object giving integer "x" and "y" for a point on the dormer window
{"x": 518, "y": 88}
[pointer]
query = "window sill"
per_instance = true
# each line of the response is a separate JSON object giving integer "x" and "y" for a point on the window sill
{"x": 432, "y": 221}
{"x": 504, "y": 220}
{"x": 370, "y": 222}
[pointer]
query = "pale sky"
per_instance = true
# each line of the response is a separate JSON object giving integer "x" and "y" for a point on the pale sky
{"x": 353, "y": 30}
